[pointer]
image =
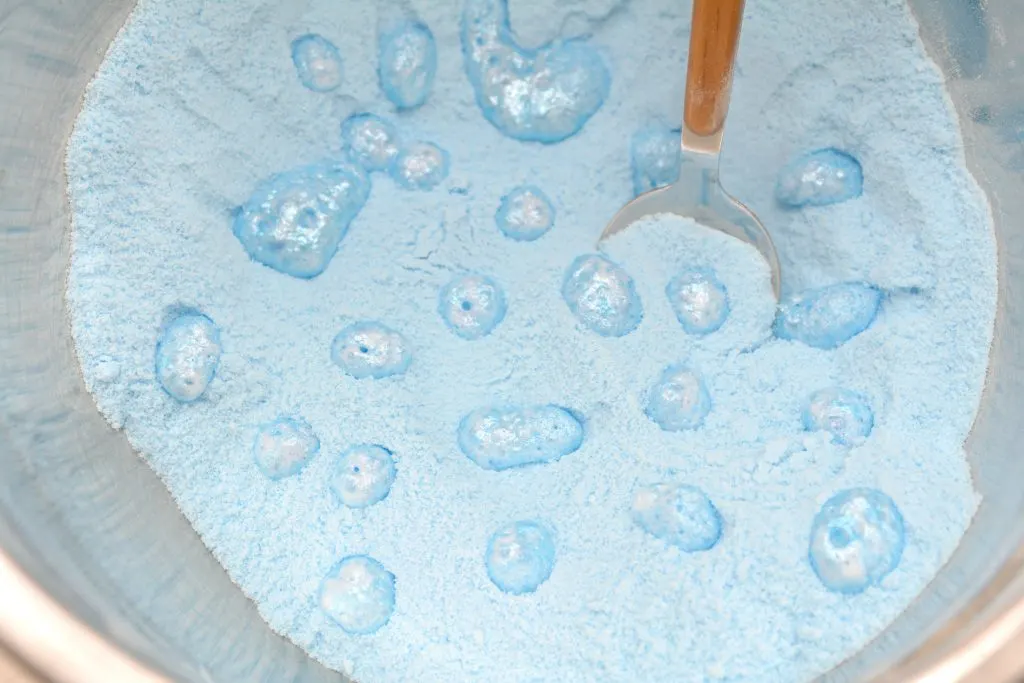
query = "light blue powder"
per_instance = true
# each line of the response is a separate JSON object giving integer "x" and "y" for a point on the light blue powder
{"x": 196, "y": 104}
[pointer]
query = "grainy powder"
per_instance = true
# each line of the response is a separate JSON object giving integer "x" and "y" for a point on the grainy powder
{"x": 198, "y": 100}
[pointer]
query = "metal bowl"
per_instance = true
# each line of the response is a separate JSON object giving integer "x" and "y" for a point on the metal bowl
{"x": 102, "y": 579}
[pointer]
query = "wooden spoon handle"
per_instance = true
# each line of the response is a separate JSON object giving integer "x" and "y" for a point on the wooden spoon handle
{"x": 714, "y": 36}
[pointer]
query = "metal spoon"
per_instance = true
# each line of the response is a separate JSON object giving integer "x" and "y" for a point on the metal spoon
{"x": 698, "y": 194}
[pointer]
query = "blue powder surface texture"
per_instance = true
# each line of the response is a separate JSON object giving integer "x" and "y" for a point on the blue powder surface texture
{"x": 330, "y": 315}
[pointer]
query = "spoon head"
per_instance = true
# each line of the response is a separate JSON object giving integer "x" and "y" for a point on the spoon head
{"x": 712, "y": 207}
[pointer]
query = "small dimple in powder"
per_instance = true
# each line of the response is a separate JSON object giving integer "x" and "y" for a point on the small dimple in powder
{"x": 625, "y": 467}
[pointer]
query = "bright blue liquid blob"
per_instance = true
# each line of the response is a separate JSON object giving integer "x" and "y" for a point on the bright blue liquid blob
{"x": 602, "y": 296}
{"x": 679, "y": 400}
{"x": 472, "y": 305}
{"x": 363, "y": 476}
{"x": 699, "y": 300}
{"x": 844, "y": 414}
{"x": 857, "y": 539}
{"x": 678, "y": 514}
{"x": 830, "y": 316}
{"x": 370, "y": 349}
{"x": 358, "y": 594}
{"x": 370, "y": 141}
{"x": 818, "y": 178}
{"x": 420, "y": 166}
{"x": 283, "y": 447}
{"x": 317, "y": 62}
{"x": 525, "y": 214}
{"x": 544, "y": 95}
{"x": 408, "y": 63}
{"x": 520, "y": 557}
{"x": 502, "y": 438}
{"x": 655, "y": 156}
{"x": 294, "y": 221}
{"x": 187, "y": 355}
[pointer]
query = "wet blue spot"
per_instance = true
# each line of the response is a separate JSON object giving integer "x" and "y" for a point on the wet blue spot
{"x": 502, "y": 438}
{"x": 187, "y": 356}
{"x": 678, "y": 514}
{"x": 408, "y": 63}
{"x": 699, "y": 300}
{"x": 317, "y": 62}
{"x": 472, "y": 305}
{"x": 283, "y": 447}
{"x": 358, "y": 594}
{"x": 844, "y": 414}
{"x": 370, "y": 349}
{"x": 363, "y": 476}
{"x": 602, "y": 296}
{"x": 654, "y": 154}
{"x": 829, "y": 316}
{"x": 420, "y": 166}
{"x": 821, "y": 177}
{"x": 679, "y": 400}
{"x": 525, "y": 214}
{"x": 544, "y": 95}
{"x": 294, "y": 221}
{"x": 857, "y": 539}
{"x": 520, "y": 557}
{"x": 370, "y": 141}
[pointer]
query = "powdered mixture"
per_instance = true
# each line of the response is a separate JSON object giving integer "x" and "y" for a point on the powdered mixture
{"x": 435, "y": 434}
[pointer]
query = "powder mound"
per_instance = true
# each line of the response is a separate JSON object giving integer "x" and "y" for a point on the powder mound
{"x": 602, "y": 296}
{"x": 699, "y": 300}
{"x": 371, "y": 350}
{"x": 544, "y": 95}
{"x": 408, "y": 63}
{"x": 844, "y": 414}
{"x": 679, "y": 514}
{"x": 829, "y": 316}
{"x": 525, "y": 214}
{"x": 283, "y": 447}
{"x": 363, "y": 476}
{"x": 187, "y": 356}
{"x": 472, "y": 305}
{"x": 317, "y": 62}
{"x": 502, "y": 438}
{"x": 679, "y": 400}
{"x": 294, "y": 221}
{"x": 818, "y": 178}
{"x": 370, "y": 141}
{"x": 857, "y": 540}
{"x": 520, "y": 557}
{"x": 359, "y": 595}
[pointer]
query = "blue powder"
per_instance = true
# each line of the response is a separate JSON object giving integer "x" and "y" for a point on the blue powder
{"x": 197, "y": 104}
